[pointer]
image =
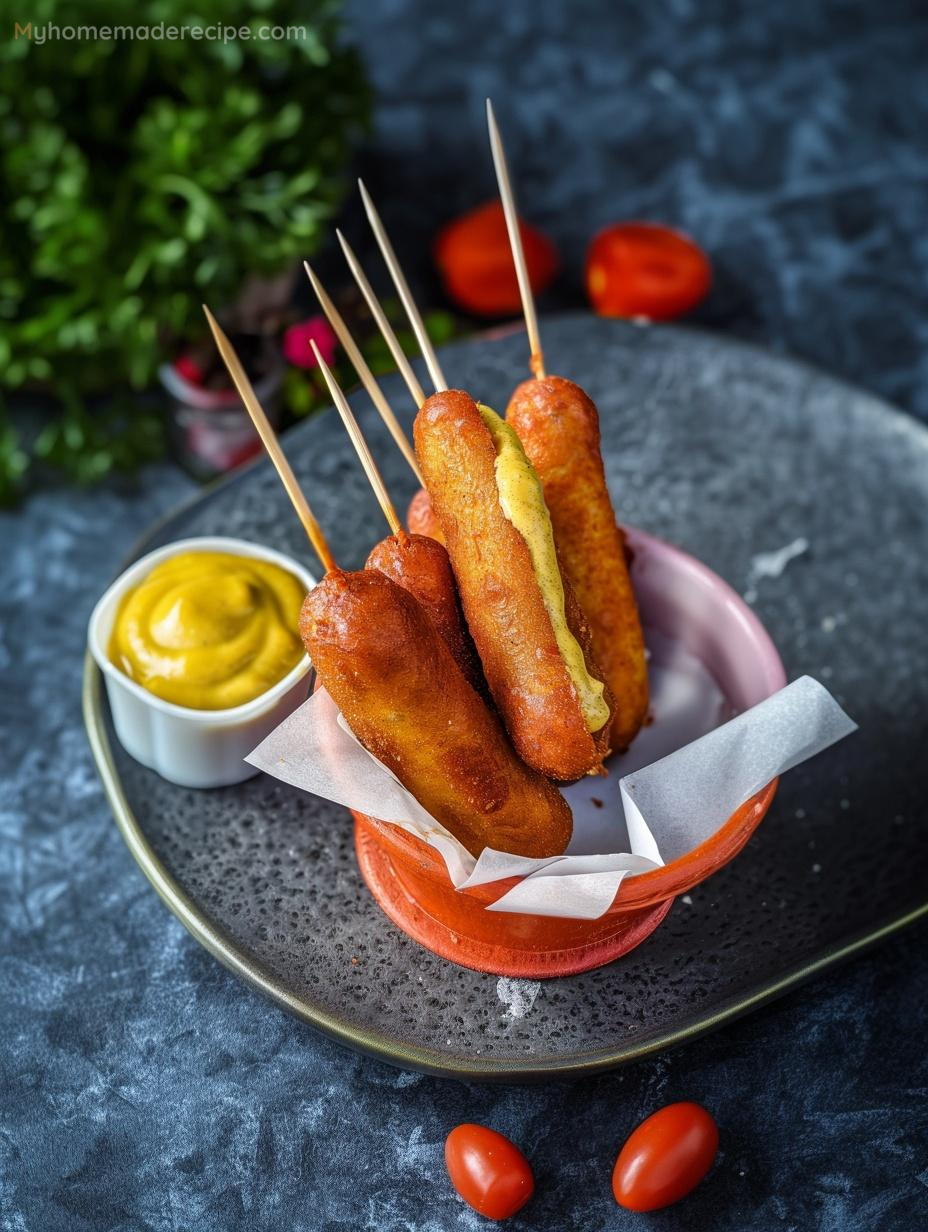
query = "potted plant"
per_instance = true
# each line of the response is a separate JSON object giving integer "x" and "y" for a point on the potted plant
{"x": 144, "y": 175}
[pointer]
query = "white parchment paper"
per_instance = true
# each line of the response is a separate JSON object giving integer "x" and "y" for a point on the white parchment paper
{"x": 685, "y": 775}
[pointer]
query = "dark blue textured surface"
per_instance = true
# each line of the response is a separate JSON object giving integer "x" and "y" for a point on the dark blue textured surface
{"x": 141, "y": 1087}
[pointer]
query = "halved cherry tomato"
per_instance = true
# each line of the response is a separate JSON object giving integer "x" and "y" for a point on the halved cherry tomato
{"x": 475, "y": 261}
{"x": 641, "y": 269}
{"x": 489, "y": 1172}
{"x": 665, "y": 1157}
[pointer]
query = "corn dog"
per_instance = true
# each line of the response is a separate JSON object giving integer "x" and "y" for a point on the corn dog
{"x": 530, "y": 634}
{"x": 559, "y": 427}
{"x": 421, "y": 566}
{"x": 420, "y": 517}
{"x": 396, "y": 682}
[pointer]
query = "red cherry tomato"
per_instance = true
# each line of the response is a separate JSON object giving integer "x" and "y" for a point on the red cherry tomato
{"x": 488, "y": 1171}
{"x": 665, "y": 1157}
{"x": 475, "y": 261}
{"x": 640, "y": 269}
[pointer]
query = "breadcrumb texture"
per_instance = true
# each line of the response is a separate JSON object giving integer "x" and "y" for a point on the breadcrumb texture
{"x": 420, "y": 517}
{"x": 420, "y": 565}
{"x": 558, "y": 425}
{"x": 403, "y": 695}
{"x": 502, "y": 600}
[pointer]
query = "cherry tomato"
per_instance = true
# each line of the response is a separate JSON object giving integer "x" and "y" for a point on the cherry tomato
{"x": 488, "y": 1171}
{"x": 665, "y": 1157}
{"x": 475, "y": 261}
{"x": 640, "y": 269}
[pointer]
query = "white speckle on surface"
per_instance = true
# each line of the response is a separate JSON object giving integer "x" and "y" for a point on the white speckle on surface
{"x": 845, "y": 805}
{"x": 518, "y": 996}
{"x": 800, "y": 813}
{"x": 816, "y": 868}
{"x": 771, "y": 564}
{"x": 415, "y": 1153}
{"x": 829, "y": 624}
{"x": 686, "y": 899}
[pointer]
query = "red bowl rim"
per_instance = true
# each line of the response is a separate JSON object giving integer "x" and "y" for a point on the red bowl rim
{"x": 636, "y": 891}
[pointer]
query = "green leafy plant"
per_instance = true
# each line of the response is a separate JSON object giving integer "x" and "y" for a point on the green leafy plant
{"x": 144, "y": 175}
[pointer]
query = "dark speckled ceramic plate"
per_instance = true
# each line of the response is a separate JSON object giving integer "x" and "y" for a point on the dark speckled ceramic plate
{"x": 731, "y": 453}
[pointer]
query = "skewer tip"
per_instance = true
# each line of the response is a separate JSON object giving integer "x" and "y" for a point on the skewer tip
{"x": 402, "y": 287}
{"x": 323, "y": 366}
{"x": 357, "y": 439}
{"x": 508, "y": 201}
{"x": 270, "y": 442}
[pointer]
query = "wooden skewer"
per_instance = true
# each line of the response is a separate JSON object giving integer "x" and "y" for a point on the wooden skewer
{"x": 271, "y": 444}
{"x": 335, "y": 319}
{"x": 386, "y": 329}
{"x": 360, "y": 444}
{"x": 536, "y": 362}
{"x": 402, "y": 287}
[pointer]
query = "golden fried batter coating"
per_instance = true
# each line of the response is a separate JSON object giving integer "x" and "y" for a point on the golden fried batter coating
{"x": 559, "y": 428}
{"x": 421, "y": 566}
{"x": 502, "y": 600}
{"x": 404, "y": 697}
{"x": 420, "y": 517}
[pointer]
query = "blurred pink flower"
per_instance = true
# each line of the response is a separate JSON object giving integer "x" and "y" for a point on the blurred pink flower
{"x": 298, "y": 337}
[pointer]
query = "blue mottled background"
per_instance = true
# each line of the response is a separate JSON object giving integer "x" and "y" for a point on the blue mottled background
{"x": 142, "y": 1087}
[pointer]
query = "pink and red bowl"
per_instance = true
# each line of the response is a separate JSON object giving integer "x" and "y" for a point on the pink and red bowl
{"x": 685, "y": 601}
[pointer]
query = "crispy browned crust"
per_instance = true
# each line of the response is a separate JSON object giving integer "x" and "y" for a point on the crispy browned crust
{"x": 559, "y": 428}
{"x": 404, "y": 697}
{"x": 502, "y": 601}
{"x": 421, "y": 566}
{"x": 420, "y": 517}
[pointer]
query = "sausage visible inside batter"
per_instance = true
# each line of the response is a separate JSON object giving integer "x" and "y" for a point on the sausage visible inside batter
{"x": 523, "y": 503}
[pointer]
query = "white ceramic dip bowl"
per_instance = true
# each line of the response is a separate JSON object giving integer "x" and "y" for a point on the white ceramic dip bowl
{"x": 193, "y": 748}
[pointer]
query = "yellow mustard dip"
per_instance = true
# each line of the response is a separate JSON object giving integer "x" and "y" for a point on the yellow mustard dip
{"x": 522, "y": 499}
{"x": 209, "y": 630}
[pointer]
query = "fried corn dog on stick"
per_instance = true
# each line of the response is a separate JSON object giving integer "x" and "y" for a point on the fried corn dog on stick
{"x": 420, "y": 565}
{"x": 420, "y": 517}
{"x": 559, "y": 427}
{"x": 396, "y": 682}
{"x": 530, "y": 634}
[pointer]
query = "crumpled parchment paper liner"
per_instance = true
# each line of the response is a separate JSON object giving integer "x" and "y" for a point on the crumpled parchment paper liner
{"x": 630, "y": 822}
